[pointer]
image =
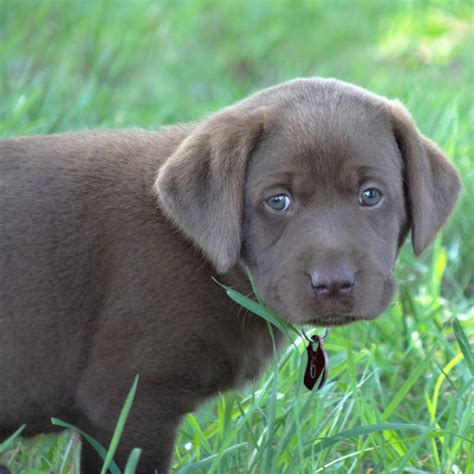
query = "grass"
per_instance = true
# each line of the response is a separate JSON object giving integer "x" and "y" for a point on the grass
{"x": 399, "y": 392}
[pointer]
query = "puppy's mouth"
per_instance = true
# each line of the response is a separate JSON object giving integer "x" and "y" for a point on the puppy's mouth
{"x": 337, "y": 319}
{"x": 333, "y": 320}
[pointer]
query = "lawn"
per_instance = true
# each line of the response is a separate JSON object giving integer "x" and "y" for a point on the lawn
{"x": 399, "y": 393}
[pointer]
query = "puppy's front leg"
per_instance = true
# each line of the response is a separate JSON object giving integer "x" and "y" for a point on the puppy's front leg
{"x": 151, "y": 424}
{"x": 145, "y": 429}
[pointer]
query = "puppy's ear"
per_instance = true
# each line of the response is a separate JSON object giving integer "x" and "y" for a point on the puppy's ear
{"x": 201, "y": 185}
{"x": 432, "y": 182}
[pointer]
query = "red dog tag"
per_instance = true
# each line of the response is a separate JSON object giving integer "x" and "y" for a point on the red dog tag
{"x": 317, "y": 364}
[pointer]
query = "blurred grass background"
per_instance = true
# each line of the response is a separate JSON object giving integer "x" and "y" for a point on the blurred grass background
{"x": 390, "y": 404}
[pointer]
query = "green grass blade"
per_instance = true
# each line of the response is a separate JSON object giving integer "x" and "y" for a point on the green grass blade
{"x": 66, "y": 454}
{"x": 403, "y": 390}
{"x": 253, "y": 285}
{"x": 198, "y": 432}
{"x": 9, "y": 440}
{"x": 120, "y": 425}
{"x": 414, "y": 446}
{"x": 101, "y": 451}
{"x": 271, "y": 420}
{"x": 203, "y": 464}
{"x": 364, "y": 430}
{"x": 77, "y": 463}
{"x": 464, "y": 344}
{"x": 438, "y": 266}
{"x": 132, "y": 461}
{"x": 261, "y": 310}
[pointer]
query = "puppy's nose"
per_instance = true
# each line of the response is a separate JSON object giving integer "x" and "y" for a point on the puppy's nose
{"x": 332, "y": 282}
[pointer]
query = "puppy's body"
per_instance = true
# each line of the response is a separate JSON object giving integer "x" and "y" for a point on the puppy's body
{"x": 94, "y": 277}
{"x": 105, "y": 268}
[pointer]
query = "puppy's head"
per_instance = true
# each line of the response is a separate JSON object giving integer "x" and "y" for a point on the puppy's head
{"x": 314, "y": 185}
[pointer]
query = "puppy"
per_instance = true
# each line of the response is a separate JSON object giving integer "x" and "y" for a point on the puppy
{"x": 109, "y": 240}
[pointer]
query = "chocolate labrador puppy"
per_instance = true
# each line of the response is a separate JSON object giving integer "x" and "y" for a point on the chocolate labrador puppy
{"x": 109, "y": 240}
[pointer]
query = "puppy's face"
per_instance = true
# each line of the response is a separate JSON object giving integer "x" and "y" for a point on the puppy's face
{"x": 314, "y": 185}
{"x": 325, "y": 213}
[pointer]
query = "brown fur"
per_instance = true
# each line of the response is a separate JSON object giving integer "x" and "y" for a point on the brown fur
{"x": 108, "y": 241}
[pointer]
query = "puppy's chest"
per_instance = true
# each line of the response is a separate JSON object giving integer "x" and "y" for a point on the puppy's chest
{"x": 240, "y": 359}
{"x": 207, "y": 365}
{"x": 253, "y": 362}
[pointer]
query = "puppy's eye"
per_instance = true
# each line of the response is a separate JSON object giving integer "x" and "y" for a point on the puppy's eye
{"x": 370, "y": 197}
{"x": 279, "y": 202}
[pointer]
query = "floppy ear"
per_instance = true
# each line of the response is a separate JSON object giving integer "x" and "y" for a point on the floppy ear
{"x": 201, "y": 185}
{"x": 432, "y": 182}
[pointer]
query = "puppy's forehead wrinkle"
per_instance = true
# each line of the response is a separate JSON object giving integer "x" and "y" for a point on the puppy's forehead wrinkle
{"x": 316, "y": 148}
{"x": 332, "y": 132}
{"x": 314, "y": 172}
